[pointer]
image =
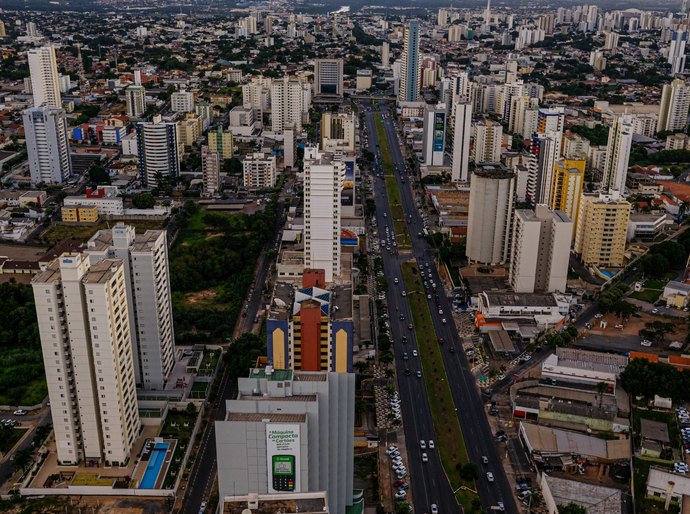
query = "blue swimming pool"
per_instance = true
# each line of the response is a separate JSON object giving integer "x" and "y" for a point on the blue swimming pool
{"x": 153, "y": 468}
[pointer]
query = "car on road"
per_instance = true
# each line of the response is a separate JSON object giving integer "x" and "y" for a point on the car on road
{"x": 451, "y": 349}
{"x": 425, "y": 457}
{"x": 20, "y": 412}
{"x": 489, "y": 476}
{"x": 443, "y": 321}
{"x": 655, "y": 311}
{"x": 501, "y": 506}
{"x": 441, "y": 340}
{"x": 404, "y": 293}
{"x": 432, "y": 445}
{"x": 414, "y": 353}
{"x": 409, "y": 326}
{"x": 405, "y": 357}
{"x": 485, "y": 459}
{"x": 434, "y": 508}
{"x": 400, "y": 495}
{"x": 202, "y": 507}
{"x": 419, "y": 374}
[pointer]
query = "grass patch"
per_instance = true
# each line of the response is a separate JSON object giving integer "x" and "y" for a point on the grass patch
{"x": 648, "y": 295}
{"x": 93, "y": 480}
{"x": 448, "y": 432}
{"x": 7, "y": 443}
{"x": 22, "y": 379}
{"x": 58, "y": 231}
{"x": 209, "y": 363}
{"x": 199, "y": 390}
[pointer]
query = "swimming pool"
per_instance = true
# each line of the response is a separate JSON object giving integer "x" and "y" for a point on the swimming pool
{"x": 153, "y": 468}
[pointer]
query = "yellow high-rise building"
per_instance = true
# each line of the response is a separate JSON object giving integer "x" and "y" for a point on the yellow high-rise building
{"x": 566, "y": 189}
{"x": 221, "y": 141}
{"x": 602, "y": 229}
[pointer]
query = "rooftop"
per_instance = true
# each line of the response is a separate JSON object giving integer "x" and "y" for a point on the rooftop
{"x": 584, "y": 359}
{"x": 546, "y": 440}
{"x": 271, "y": 373}
{"x": 102, "y": 272}
{"x": 654, "y": 430}
{"x": 268, "y": 417}
{"x": 285, "y": 503}
{"x": 520, "y": 299}
{"x": 595, "y": 499}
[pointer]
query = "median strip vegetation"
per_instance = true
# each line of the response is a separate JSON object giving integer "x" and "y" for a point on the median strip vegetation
{"x": 397, "y": 212}
{"x": 451, "y": 445}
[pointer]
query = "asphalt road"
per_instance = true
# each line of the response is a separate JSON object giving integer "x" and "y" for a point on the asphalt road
{"x": 469, "y": 404}
{"x": 429, "y": 484}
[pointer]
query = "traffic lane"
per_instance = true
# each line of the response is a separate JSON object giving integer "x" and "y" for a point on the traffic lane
{"x": 473, "y": 420}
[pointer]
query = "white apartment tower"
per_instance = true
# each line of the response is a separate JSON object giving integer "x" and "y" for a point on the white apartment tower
{"x": 47, "y": 145}
{"x": 676, "y": 52}
{"x": 45, "y": 82}
{"x": 618, "y": 154}
{"x": 675, "y": 104}
{"x": 135, "y": 97}
{"x": 182, "y": 101}
{"x": 158, "y": 151}
{"x": 385, "y": 55}
{"x": 259, "y": 171}
{"x": 210, "y": 171}
{"x": 492, "y": 195}
{"x": 287, "y": 104}
{"x": 257, "y": 94}
{"x": 84, "y": 325}
{"x": 323, "y": 179}
{"x": 541, "y": 250}
{"x": 147, "y": 280}
{"x": 488, "y": 136}
{"x": 410, "y": 69}
{"x": 544, "y": 152}
{"x": 462, "y": 129}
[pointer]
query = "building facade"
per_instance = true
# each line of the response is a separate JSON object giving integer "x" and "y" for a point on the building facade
{"x": 158, "y": 151}
{"x": 617, "y": 155}
{"x": 328, "y": 78}
{"x": 541, "y": 250}
{"x": 47, "y": 145}
{"x": 410, "y": 70}
{"x": 488, "y": 136}
{"x": 45, "y": 83}
{"x": 259, "y": 171}
{"x": 147, "y": 279}
{"x": 492, "y": 195}
{"x": 210, "y": 171}
{"x": 135, "y": 98}
{"x": 88, "y": 359}
{"x": 674, "y": 107}
{"x": 434, "y": 135}
{"x": 462, "y": 131}
{"x": 601, "y": 231}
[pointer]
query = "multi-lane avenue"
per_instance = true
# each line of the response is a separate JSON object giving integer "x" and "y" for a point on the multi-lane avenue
{"x": 429, "y": 483}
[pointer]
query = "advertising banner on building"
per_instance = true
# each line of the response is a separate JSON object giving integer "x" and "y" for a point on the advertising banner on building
{"x": 439, "y": 131}
{"x": 283, "y": 454}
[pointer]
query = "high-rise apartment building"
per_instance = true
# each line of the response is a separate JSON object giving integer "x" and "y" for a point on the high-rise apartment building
{"x": 488, "y": 136}
{"x": 135, "y": 97}
{"x": 385, "y": 55}
{"x": 618, "y": 154}
{"x": 323, "y": 179}
{"x": 221, "y": 141}
{"x": 550, "y": 119}
{"x": 544, "y": 152}
{"x": 47, "y": 145}
{"x": 3, "y": 32}
{"x": 541, "y": 250}
{"x": 257, "y": 94}
{"x": 259, "y": 171}
{"x": 31, "y": 29}
{"x": 339, "y": 127}
{"x": 210, "y": 171}
{"x": 158, "y": 151}
{"x": 289, "y": 432}
{"x": 602, "y": 229}
{"x": 45, "y": 83}
{"x": 147, "y": 279}
{"x": 462, "y": 130}
{"x": 328, "y": 78}
{"x": 675, "y": 104}
{"x": 182, "y": 101}
{"x": 676, "y": 52}
{"x": 410, "y": 69}
{"x": 84, "y": 326}
{"x": 311, "y": 328}
{"x": 434, "y": 135}
{"x": 492, "y": 195}
{"x": 566, "y": 191}
{"x": 287, "y": 104}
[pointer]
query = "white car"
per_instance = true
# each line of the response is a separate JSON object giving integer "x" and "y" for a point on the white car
{"x": 489, "y": 476}
{"x": 598, "y": 315}
{"x": 400, "y": 495}
{"x": 414, "y": 353}
{"x": 646, "y": 342}
{"x": 425, "y": 457}
{"x": 434, "y": 508}
{"x": 431, "y": 444}
{"x": 20, "y": 412}
{"x": 422, "y": 444}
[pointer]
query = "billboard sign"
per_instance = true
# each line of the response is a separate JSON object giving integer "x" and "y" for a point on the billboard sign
{"x": 283, "y": 454}
{"x": 439, "y": 130}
